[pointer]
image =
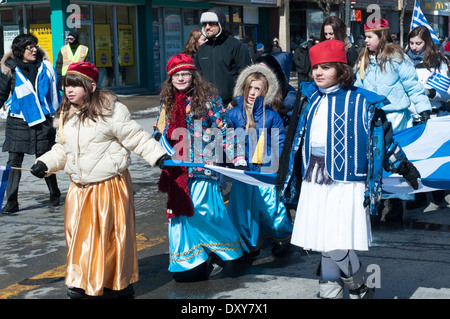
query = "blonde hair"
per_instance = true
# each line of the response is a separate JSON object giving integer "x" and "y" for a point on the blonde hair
{"x": 257, "y": 76}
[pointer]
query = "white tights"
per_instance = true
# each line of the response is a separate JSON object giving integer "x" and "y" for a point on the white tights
{"x": 335, "y": 261}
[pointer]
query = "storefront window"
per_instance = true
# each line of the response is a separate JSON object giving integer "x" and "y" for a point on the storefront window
{"x": 156, "y": 46}
{"x": 172, "y": 33}
{"x": 191, "y": 21}
{"x": 11, "y": 26}
{"x": 38, "y": 19}
{"x": 103, "y": 42}
{"x": 126, "y": 25}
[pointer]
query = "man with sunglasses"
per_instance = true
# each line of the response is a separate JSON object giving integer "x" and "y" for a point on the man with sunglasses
{"x": 222, "y": 57}
{"x": 70, "y": 53}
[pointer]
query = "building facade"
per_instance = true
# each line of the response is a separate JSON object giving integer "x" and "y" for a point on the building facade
{"x": 132, "y": 40}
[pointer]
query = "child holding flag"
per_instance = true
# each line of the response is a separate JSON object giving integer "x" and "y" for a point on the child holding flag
{"x": 430, "y": 64}
{"x": 93, "y": 141}
{"x": 192, "y": 119}
{"x": 333, "y": 157}
{"x": 256, "y": 211}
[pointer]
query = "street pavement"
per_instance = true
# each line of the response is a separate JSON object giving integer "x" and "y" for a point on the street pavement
{"x": 408, "y": 261}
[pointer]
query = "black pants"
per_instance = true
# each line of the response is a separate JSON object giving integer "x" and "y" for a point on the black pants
{"x": 12, "y": 188}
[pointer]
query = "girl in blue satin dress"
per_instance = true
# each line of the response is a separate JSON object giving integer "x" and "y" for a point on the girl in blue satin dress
{"x": 191, "y": 117}
{"x": 256, "y": 211}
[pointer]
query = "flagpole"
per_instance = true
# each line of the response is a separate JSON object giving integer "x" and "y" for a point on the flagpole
{"x": 29, "y": 170}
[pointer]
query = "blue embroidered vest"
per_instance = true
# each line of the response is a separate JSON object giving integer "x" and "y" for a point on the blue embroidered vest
{"x": 347, "y": 135}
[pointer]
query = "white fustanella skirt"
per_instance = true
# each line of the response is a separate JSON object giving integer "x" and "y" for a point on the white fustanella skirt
{"x": 330, "y": 215}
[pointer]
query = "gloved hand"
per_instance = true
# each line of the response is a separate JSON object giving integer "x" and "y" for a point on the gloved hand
{"x": 431, "y": 93}
{"x": 410, "y": 173}
{"x": 39, "y": 169}
{"x": 424, "y": 116}
{"x": 241, "y": 164}
{"x": 160, "y": 161}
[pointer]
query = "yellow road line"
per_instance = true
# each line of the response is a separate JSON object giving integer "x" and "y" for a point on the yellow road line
{"x": 59, "y": 273}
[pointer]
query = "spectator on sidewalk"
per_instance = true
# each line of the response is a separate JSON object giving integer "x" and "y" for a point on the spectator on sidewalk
{"x": 28, "y": 79}
{"x": 222, "y": 57}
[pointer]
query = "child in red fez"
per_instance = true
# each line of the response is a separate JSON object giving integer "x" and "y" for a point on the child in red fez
{"x": 327, "y": 165}
{"x": 93, "y": 146}
{"x": 191, "y": 119}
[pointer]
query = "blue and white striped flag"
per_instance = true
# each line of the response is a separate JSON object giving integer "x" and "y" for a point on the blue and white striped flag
{"x": 427, "y": 146}
{"x": 165, "y": 144}
{"x": 5, "y": 172}
{"x": 248, "y": 177}
{"x": 419, "y": 19}
{"x": 439, "y": 82}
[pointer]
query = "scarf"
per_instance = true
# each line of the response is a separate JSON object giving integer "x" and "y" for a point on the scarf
{"x": 174, "y": 180}
{"x": 416, "y": 58}
{"x": 34, "y": 104}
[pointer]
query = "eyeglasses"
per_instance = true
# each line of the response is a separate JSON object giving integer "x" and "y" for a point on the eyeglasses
{"x": 31, "y": 47}
{"x": 185, "y": 75}
{"x": 70, "y": 39}
{"x": 210, "y": 23}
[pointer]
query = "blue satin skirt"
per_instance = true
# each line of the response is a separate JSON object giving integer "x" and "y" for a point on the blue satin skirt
{"x": 192, "y": 239}
{"x": 258, "y": 215}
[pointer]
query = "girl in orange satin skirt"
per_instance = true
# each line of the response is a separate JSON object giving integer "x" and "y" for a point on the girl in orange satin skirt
{"x": 99, "y": 208}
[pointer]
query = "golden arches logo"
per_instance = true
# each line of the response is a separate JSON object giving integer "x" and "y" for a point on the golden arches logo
{"x": 439, "y": 5}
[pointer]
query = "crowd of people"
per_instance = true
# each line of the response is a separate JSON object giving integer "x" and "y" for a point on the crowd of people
{"x": 321, "y": 140}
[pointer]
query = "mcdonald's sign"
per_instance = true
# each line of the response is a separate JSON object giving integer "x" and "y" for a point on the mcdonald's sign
{"x": 438, "y": 5}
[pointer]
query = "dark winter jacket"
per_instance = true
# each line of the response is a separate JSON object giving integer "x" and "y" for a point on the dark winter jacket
{"x": 302, "y": 64}
{"x": 220, "y": 60}
{"x": 19, "y": 137}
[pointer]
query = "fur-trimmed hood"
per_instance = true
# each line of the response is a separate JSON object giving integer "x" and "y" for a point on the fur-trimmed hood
{"x": 264, "y": 70}
{"x": 7, "y": 63}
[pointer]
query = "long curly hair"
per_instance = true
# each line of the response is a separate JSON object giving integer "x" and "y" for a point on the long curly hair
{"x": 200, "y": 89}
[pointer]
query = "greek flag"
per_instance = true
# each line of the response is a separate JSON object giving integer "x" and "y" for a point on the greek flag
{"x": 165, "y": 144}
{"x": 4, "y": 181}
{"x": 419, "y": 19}
{"x": 427, "y": 146}
{"x": 439, "y": 82}
{"x": 248, "y": 177}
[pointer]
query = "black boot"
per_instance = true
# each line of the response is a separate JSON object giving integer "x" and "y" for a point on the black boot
{"x": 10, "y": 207}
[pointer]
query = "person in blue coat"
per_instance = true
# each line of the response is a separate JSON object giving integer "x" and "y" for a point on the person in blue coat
{"x": 385, "y": 69}
{"x": 331, "y": 164}
{"x": 256, "y": 211}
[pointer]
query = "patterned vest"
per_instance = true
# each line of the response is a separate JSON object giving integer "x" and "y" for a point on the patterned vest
{"x": 347, "y": 135}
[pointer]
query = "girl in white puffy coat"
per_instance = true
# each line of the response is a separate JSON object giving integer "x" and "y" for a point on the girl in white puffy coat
{"x": 93, "y": 146}
{"x": 428, "y": 61}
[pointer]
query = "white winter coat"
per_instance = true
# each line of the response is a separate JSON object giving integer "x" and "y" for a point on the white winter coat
{"x": 96, "y": 151}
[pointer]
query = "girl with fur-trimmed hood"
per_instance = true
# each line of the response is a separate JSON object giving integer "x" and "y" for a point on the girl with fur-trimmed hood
{"x": 256, "y": 211}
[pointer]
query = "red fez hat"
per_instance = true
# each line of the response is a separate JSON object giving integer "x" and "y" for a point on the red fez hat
{"x": 328, "y": 51}
{"x": 180, "y": 62}
{"x": 376, "y": 25}
{"x": 85, "y": 70}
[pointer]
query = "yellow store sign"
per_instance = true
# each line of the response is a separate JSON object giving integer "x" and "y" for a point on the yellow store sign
{"x": 103, "y": 45}
{"x": 44, "y": 34}
{"x": 126, "y": 44}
